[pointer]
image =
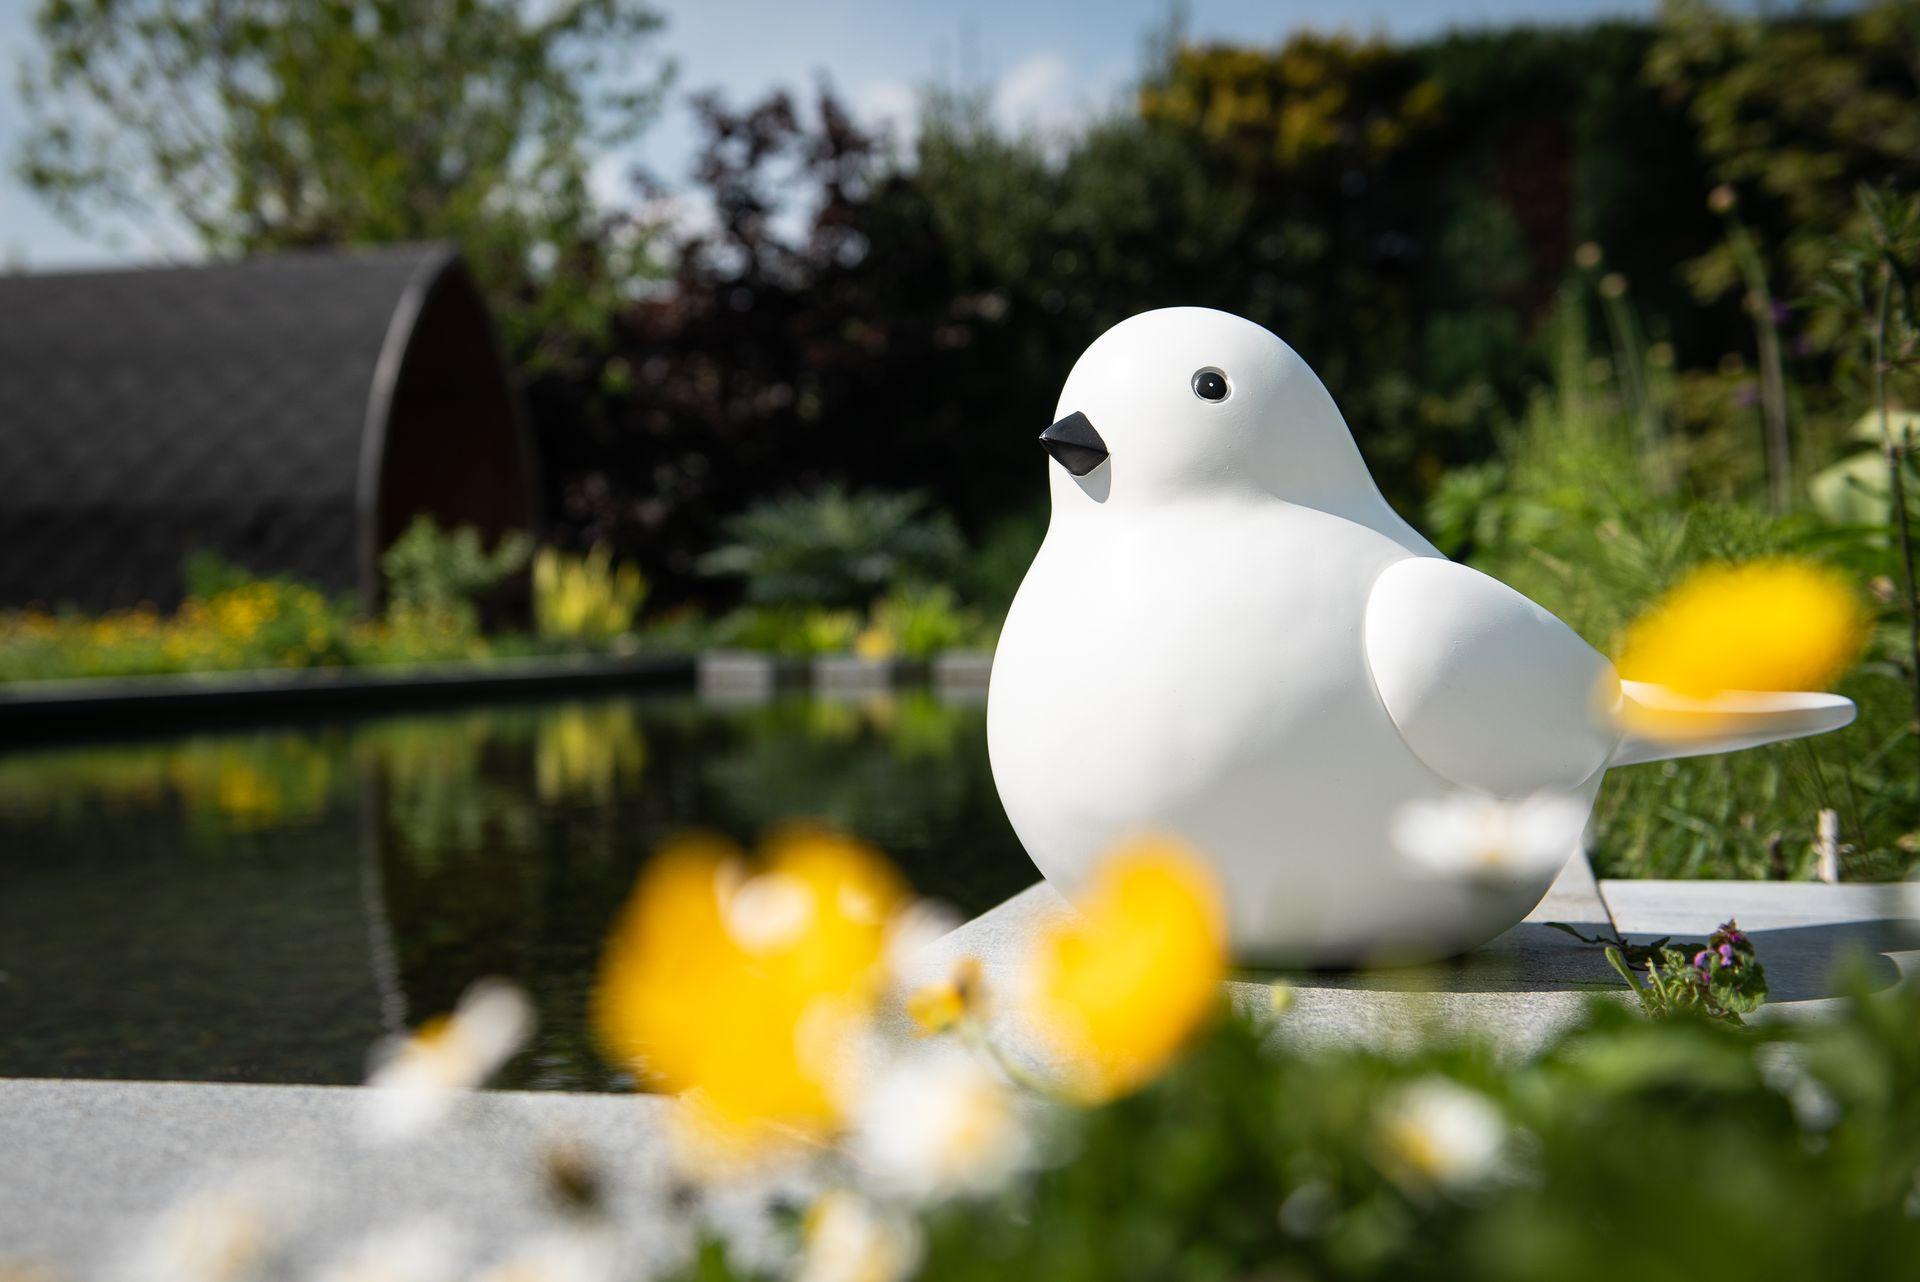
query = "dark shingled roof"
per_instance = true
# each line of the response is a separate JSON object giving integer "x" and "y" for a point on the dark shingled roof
{"x": 290, "y": 412}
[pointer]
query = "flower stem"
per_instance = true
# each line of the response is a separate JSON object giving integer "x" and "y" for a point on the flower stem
{"x": 1773, "y": 381}
{"x": 1896, "y": 451}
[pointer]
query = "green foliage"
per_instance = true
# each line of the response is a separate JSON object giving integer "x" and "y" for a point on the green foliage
{"x": 919, "y": 622}
{"x": 234, "y": 620}
{"x": 796, "y": 630}
{"x": 1795, "y": 109}
{"x": 1723, "y": 980}
{"x": 1682, "y": 1147}
{"x": 1856, "y": 490}
{"x": 449, "y": 571}
{"x": 914, "y": 622}
{"x": 1570, "y": 515}
{"x": 1401, "y": 214}
{"x": 998, "y": 562}
{"x": 265, "y": 124}
{"x": 835, "y": 548}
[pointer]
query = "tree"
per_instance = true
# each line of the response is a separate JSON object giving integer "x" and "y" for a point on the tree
{"x": 1795, "y": 111}
{"x": 275, "y": 124}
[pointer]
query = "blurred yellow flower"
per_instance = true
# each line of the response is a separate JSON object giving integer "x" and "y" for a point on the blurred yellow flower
{"x": 743, "y": 986}
{"x": 1774, "y": 624}
{"x": 1121, "y": 987}
{"x": 874, "y": 643}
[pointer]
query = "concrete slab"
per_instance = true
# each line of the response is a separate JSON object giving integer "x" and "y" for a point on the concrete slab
{"x": 962, "y": 675}
{"x": 1519, "y": 989}
{"x": 1805, "y": 931}
{"x": 853, "y": 674}
{"x": 93, "y": 1169}
{"x": 744, "y": 676}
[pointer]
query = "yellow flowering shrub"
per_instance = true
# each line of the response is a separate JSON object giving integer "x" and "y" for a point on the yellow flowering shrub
{"x": 242, "y": 623}
{"x": 742, "y": 984}
{"x": 585, "y": 598}
{"x": 1122, "y": 987}
{"x": 1775, "y": 624}
{"x": 260, "y": 623}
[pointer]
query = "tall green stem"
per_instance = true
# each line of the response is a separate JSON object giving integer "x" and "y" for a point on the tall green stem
{"x": 1628, "y": 357}
{"x": 1773, "y": 377}
{"x": 1896, "y": 451}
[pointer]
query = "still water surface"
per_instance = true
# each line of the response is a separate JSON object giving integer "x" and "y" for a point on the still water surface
{"x": 261, "y": 905}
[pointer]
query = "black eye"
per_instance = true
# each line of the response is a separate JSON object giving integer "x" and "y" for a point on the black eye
{"x": 1210, "y": 385}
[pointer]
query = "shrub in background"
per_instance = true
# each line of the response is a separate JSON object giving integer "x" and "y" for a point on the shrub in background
{"x": 585, "y": 598}
{"x": 836, "y": 548}
{"x": 918, "y": 623}
{"x": 449, "y": 572}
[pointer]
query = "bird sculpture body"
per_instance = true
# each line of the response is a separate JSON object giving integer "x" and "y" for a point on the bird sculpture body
{"x": 1230, "y": 638}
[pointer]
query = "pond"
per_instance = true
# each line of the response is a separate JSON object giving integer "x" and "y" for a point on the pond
{"x": 260, "y": 905}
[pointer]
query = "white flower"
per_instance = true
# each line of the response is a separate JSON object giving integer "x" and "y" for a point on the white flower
{"x": 939, "y": 1124}
{"x": 424, "y": 1251}
{"x": 415, "y": 1079}
{"x": 1484, "y": 838}
{"x": 1438, "y": 1134}
{"x": 850, "y": 1240}
{"x": 223, "y": 1233}
{"x": 568, "y": 1255}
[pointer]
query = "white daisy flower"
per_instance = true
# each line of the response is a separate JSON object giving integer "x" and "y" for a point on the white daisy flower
{"x": 423, "y": 1251}
{"x": 851, "y": 1240}
{"x": 1487, "y": 839}
{"x": 416, "y": 1078}
{"x": 221, "y": 1233}
{"x": 1437, "y": 1133}
{"x": 567, "y": 1255}
{"x": 939, "y": 1124}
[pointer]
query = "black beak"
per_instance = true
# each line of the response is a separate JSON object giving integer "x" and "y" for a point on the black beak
{"x": 1074, "y": 444}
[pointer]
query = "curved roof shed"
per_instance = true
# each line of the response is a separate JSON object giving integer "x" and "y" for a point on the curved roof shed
{"x": 292, "y": 413}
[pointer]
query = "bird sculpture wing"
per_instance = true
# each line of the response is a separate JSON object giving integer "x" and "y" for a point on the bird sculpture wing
{"x": 1663, "y": 724}
{"x": 1489, "y": 690}
{"x": 1495, "y": 694}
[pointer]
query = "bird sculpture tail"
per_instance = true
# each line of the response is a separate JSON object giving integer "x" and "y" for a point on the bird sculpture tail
{"x": 1661, "y": 724}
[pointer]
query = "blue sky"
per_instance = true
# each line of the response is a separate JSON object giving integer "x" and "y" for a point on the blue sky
{"x": 1045, "y": 65}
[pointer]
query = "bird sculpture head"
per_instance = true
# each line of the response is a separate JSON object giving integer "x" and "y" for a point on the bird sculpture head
{"x": 1188, "y": 403}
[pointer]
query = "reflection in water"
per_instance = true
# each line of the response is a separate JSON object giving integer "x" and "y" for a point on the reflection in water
{"x": 260, "y": 906}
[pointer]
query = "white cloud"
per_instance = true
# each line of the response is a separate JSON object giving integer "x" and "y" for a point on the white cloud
{"x": 1036, "y": 93}
{"x": 893, "y": 101}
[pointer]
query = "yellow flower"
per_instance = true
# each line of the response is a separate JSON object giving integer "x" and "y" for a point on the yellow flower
{"x": 1765, "y": 625}
{"x": 873, "y": 643}
{"x": 1122, "y": 987}
{"x": 937, "y": 1007}
{"x": 743, "y": 986}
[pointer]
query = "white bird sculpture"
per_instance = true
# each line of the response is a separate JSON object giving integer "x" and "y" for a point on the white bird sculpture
{"x": 1229, "y": 638}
